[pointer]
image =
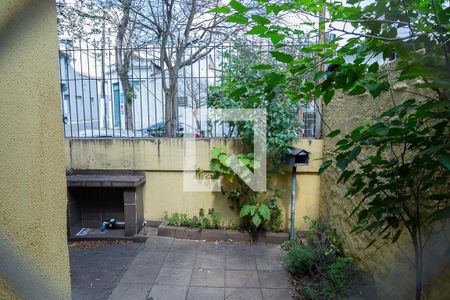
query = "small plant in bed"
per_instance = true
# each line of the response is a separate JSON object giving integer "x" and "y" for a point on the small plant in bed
{"x": 319, "y": 264}
{"x": 210, "y": 220}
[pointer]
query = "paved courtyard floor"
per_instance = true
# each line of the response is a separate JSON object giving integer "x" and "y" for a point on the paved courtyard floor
{"x": 172, "y": 269}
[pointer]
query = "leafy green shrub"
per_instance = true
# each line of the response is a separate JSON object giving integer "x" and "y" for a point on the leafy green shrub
{"x": 232, "y": 225}
{"x": 257, "y": 212}
{"x": 310, "y": 291}
{"x": 212, "y": 220}
{"x": 195, "y": 222}
{"x": 173, "y": 220}
{"x": 300, "y": 259}
{"x": 216, "y": 219}
{"x": 184, "y": 220}
{"x": 341, "y": 273}
{"x": 320, "y": 263}
{"x": 275, "y": 222}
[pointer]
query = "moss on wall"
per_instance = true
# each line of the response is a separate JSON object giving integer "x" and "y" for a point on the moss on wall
{"x": 392, "y": 270}
{"x": 33, "y": 243}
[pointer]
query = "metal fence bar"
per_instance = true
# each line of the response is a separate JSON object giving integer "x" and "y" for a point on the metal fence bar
{"x": 94, "y": 102}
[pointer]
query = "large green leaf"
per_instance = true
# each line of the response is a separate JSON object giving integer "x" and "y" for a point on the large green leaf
{"x": 225, "y": 159}
{"x": 238, "y": 92}
{"x": 275, "y": 38}
{"x": 357, "y": 90}
{"x": 328, "y": 96}
{"x": 442, "y": 214}
{"x": 374, "y": 67}
{"x": 262, "y": 67}
{"x": 334, "y": 133}
{"x": 221, "y": 10}
{"x": 256, "y": 220}
{"x": 237, "y": 18}
{"x": 260, "y": 20}
{"x": 325, "y": 166}
{"x": 444, "y": 159}
{"x": 237, "y": 6}
{"x": 282, "y": 57}
{"x": 257, "y": 30}
{"x": 264, "y": 211}
{"x": 215, "y": 152}
{"x": 247, "y": 210}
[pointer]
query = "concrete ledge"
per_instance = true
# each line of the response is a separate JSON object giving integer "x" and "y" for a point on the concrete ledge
{"x": 168, "y": 231}
{"x": 221, "y": 235}
{"x": 273, "y": 237}
{"x": 238, "y": 236}
{"x": 141, "y": 237}
{"x": 153, "y": 223}
{"x": 213, "y": 235}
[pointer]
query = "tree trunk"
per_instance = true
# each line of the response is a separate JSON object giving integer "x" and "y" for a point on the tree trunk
{"x": 123, "y": 58}
{"x": 128, "y": 92}
{"x": 418, "y": 261}
{"x": 171, "y": 113}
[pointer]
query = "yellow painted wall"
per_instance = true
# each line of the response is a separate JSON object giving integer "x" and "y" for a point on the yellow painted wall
{"x": 33, "y": 246}
{"x": 162, "y": 160}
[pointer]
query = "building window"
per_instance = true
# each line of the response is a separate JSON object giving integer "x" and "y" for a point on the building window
{"x": 66, "y": 97}
{"x": 92, "y": 99}
{"x": 78, "y": 98}
{"x": 182, "y": 101}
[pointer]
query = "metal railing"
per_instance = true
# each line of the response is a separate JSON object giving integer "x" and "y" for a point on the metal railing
{"x": 94, "y": 106}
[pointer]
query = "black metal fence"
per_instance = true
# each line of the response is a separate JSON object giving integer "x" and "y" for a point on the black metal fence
{"x": 94, "y": 105}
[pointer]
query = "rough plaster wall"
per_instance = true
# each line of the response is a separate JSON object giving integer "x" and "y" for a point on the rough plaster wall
{"x": 393, "y": 273}
{"x": 7, "y": 291}
{"x": 33, "y": 245}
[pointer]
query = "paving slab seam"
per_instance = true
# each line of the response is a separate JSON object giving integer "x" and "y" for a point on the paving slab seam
{"x": 165, "y": 257}
{"x": 192, "y": 272}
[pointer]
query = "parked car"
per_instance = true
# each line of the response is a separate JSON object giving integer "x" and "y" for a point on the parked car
{"x": 159, "y": 130}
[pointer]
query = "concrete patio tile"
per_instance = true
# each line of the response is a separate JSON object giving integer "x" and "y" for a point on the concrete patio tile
{"x": 180, "y": 259}
{"x": 168, "y": 292}
{"x": 205, "y": 293}
{"x": 243, "y": 294}
{"x": 150, "y": 258}
{"x": 131, "y": 291}
{"x": 240, "y": 250}
{"x": 208, "y": 277}
{"x": 274, "y": 279}
{"x": 212, "y": 248}
{"x": 100, "y": 279}
{"x": 115, "y": 263}
{"x": 276, "y": 294}
{"x": 269, "y": 263}
{"x": 174, "y": 276}
{"x": 129, "y": 249}
{"x": 248, "y": 279}
{"x": 140, "y": 273}
{"x": 93, "y": 260}
{"x": 158, "y": 244}
{"x": 266, "y": 250}
{"x": 240, "y": 263}
{"x": 90, "y": 293}
{"x": 233, "y": 271}
{"x": 184, "y": 246}
{"x": 208, "y": 261}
